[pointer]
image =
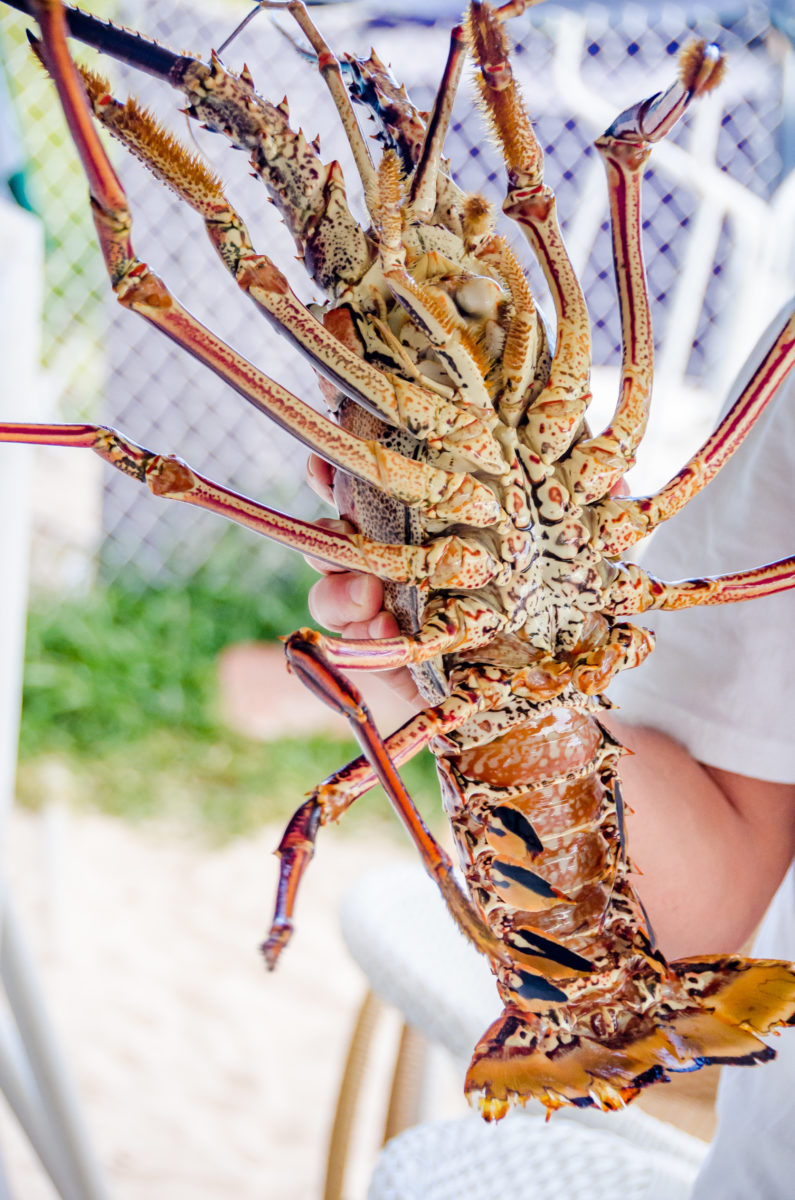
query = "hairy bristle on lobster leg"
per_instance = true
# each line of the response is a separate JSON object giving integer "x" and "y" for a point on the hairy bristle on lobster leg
{"x": 481, "y": 498}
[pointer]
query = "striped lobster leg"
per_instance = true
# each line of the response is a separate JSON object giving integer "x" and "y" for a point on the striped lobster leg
{"x": 557, "y": 412}
{"x": 334, "y": 796}
{"x": 447, "y": 561}
{"x": 635, "y": 590}
{"x": 621, "y": 522}
{"x": 314, "y": 670}
{"x": 595, "y": 465}
{"x": 334, "y": 348}
{"x": 329, "y": 67}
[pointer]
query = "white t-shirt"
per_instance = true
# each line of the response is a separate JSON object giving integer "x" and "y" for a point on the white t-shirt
{"x": 722, "y": 682}
{"x": 722, "y": 678}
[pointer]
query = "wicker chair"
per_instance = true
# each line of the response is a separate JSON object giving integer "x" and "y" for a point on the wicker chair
{"x": 398, "y": 931}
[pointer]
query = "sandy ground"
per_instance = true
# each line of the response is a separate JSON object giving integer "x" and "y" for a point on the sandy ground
{"x": 200, "y": 1074}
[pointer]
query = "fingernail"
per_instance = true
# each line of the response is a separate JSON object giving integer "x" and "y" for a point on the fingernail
{"x": 357, "y": 589}
{"x": 382, "y": 626}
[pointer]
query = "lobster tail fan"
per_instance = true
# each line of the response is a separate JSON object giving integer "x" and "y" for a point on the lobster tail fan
{"x": 516, "y": 1061}
{"x": 710, "y": 1012}
{"x": 757, "y": 994}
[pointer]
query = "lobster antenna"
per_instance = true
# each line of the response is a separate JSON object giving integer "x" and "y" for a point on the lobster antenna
{"x": 239, "y": 29}
{"x": 304, "y": 52}
{"x": 269, "y": 4}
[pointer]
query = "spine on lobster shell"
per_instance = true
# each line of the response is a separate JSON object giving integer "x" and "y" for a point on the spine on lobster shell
{"x": 592, "y": 1010}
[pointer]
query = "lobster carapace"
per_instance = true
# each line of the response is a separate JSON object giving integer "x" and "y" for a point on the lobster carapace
{"x": 482, "y": 500}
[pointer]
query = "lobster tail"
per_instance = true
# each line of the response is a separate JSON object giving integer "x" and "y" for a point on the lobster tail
{"x": 708, "y": 1011}
{"x": 755, "y": 994}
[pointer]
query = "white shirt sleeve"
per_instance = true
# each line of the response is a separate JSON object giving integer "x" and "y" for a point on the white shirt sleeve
{"x": 721, "y": 679}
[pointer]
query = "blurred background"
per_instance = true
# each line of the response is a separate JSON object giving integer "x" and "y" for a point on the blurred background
{"x": 147, "y": 694}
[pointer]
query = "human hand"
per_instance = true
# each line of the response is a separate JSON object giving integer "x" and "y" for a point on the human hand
{"x": 352, "y": 604}
{"x": 349, "y": 603}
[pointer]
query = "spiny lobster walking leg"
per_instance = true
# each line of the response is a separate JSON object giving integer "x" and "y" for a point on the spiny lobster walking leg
{"x": 444, "y": 562}
{"x": 408, "y": 405}
{"x": 621, "y": 522}
{"x": 636, "y": 591}
{"x": 330, "y": 799}
{"x": 555, "y": 415}
{"x": 424, "y": 186}
{"x": 335, "y": 690}
{"x": 329, "y": 68}
{"x": 459, "y": 496}
{"x": 596, "y": 464}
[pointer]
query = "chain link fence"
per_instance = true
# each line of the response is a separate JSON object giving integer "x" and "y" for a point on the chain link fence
{"x": 718, "y": 263}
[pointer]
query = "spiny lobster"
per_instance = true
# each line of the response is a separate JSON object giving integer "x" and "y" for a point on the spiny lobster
{"x": 483, "y": 501}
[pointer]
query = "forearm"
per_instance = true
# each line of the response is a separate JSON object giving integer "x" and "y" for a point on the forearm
{"x": 710, "y": 846}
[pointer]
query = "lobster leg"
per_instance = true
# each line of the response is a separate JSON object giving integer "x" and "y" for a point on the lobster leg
{"x": 400, "y": 402}
{"x": 596, "y": 464}
{"x": 295, "y": 852}
{"x": 402, "y": 128}
{"x": 336, "y": 794}
{"x": 424, "y": 183}
{"x": 329, "y": 68}
{"x": 454, "y": 623}
{"x": 556, "y": 414}
{"x": 333, "y": 688}
{"x": 621, "y": 522}
{"x": 442, "y": 562}
{"x": 459, "y": 497}
{"x": 635, "y": 590}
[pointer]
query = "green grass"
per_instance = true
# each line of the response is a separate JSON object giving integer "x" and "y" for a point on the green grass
{"x": 221, "y": 787}
{"x": 121, "y": 709}
{"x": 106, "y": 669}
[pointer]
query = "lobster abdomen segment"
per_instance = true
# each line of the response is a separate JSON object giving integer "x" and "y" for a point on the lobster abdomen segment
{"x": 540, "y": 831}
{"x": 593, "y": 1013}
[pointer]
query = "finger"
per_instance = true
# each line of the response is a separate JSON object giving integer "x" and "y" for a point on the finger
{"x": 317, "y": 564}
{"x": 331, "y": 605}
{"x": 344, "y": 598}
{"x": 401, "y": 683}
{"x": 384, "y": 625}
{"x": 320, "y": 477}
